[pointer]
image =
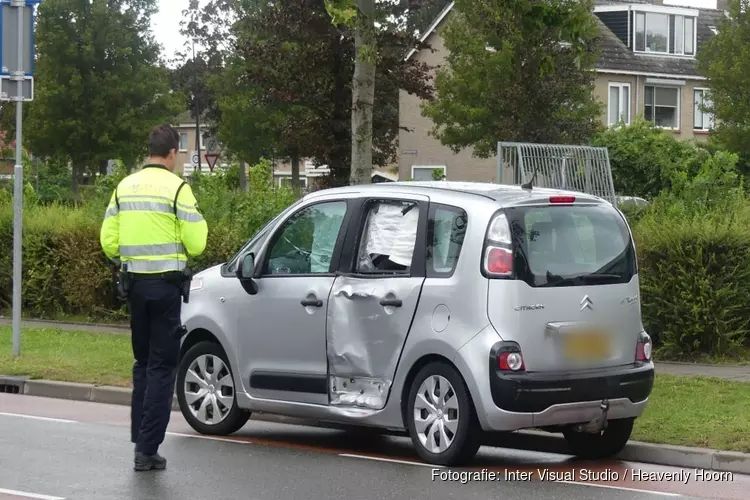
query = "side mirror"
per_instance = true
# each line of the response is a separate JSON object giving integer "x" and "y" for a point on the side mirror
{"x": 245, "y": 273}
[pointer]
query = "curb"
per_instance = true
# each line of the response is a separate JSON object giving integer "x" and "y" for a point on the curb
{"x": 634, "y": 451}
{"x": 68, "y": 325}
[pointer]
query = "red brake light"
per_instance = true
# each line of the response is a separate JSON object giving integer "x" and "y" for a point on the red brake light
{"x": 562, "y": 199}
{"x": 499, "y": 261}
{"x": 644, "y": 350}
{"x": 511, "y": 361}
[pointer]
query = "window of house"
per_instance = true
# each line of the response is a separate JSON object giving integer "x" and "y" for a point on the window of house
{"x": 702, "y": 120}
{"x": 183, "y": 141}
{"x": 427, "y": 172}
{"x": 662, "y": 106}
{"x": 619, "y": 103}
{"x": 664, "y": 33}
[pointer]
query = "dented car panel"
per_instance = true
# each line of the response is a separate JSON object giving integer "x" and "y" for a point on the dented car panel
{"x": 368, "y": 322}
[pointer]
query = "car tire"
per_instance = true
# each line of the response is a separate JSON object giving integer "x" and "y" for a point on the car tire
{"x": 605, "y": 444}
{"x": 461, "y": 426}
{"x": 204, "y": 394}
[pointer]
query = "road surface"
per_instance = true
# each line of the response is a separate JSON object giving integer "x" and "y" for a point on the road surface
{"x": 59, "y": 449}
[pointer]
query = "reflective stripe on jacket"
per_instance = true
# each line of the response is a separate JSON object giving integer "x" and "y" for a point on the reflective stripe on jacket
{"x": 144, "y": 229}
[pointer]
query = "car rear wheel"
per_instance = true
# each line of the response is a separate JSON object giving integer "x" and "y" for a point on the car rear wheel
{"x": 441, "y": 418}
{"x": 206, "y": 393}
{"x": 604, "y": 444}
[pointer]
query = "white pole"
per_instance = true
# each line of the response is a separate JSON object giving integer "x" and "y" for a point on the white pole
{"x": 18, "y": 194}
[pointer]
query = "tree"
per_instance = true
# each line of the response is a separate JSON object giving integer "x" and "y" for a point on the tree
{"x": 100, "y": 87}
{"x": 289, "y": 66}
{"x": 517, "y": 71}
{"x": 725, "y": 62}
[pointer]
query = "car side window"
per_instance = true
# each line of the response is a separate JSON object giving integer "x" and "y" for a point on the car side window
{"x": 445, "y": 237}
{"x": 386, "y": 245}
{"x": 306, "y": 241}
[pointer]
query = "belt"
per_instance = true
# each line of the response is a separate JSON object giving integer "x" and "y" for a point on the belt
{"x": 155, "y": 276}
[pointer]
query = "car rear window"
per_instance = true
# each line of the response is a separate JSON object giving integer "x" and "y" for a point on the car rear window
{"x": 571, "y": 245}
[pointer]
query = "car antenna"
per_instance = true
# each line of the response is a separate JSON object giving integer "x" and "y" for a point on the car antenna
{"x": 529, "y": 185}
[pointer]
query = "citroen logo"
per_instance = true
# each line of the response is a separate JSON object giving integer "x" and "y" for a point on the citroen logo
{"x": 586, "y": 303}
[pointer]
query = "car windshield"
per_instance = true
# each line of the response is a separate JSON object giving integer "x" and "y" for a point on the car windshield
{"x": 571, "y": 245}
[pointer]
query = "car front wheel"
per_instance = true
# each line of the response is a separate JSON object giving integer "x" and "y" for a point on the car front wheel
{"x": 441, "y": 418}
{"x": 206, "y": 393}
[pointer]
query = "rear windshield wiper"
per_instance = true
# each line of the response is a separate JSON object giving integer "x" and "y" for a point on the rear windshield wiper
{"x": 600, "y": 277}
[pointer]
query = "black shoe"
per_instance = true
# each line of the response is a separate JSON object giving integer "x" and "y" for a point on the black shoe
{"x": 145, "y": 462}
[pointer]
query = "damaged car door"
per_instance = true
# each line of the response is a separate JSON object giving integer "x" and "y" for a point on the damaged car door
{"x": 283, "y": 325}
{"x": 374, "y": 300}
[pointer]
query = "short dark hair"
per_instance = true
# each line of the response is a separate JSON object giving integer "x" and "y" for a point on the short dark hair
{"x": 163, "y": 139}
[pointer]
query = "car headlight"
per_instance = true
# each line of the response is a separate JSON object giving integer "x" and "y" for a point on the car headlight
{"x": 196, "y": 284}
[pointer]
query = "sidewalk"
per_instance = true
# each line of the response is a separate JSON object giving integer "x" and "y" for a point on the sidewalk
{"x": 736, "y": 373}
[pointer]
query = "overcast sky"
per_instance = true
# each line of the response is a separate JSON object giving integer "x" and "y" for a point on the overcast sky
{"x": 166, "y": 25}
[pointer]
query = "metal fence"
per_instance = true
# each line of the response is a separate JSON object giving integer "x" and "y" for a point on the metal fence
{"x": 584, "y": 169}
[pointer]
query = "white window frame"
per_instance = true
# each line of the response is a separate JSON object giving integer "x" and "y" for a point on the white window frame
{"x": 302, "y": 179}
{"x": 710, "y": 117}
{"x": 183, "y": 145}
{"x": 621, "y": 87}
{"x": 203, "y": 139}
{"x": 679, "y": 104}
{"x": 678, "y": 15}
{"x": 414, "y": 168}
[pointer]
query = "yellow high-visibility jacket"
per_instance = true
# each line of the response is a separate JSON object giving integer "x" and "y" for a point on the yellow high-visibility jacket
{"x": 152, "y": 222}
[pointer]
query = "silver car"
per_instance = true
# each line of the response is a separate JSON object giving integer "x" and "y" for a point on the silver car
{"x": 447, "y": 310}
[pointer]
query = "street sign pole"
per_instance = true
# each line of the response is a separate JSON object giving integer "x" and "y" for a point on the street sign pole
{"x": 18, "y": 191}
{"x": 17, "y": 72}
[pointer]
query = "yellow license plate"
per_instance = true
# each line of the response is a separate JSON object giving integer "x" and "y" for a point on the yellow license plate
{"x": 587, "y": 345}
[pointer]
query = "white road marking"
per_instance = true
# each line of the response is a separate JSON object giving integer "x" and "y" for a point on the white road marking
{"x": 391, "y": 460}
{"x": 622, "y": 488}
{"x": 34, "y": 417}
{"x": 28, "y": 495}
{"x": 210, "y": 438}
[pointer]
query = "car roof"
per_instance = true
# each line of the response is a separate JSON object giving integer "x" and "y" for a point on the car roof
{"x": 503, "y": 194}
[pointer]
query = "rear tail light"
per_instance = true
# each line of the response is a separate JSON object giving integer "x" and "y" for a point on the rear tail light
{"x": 644, "y": 350}
{"x": 511, "y": 362}
{"x": 498, "y": 256}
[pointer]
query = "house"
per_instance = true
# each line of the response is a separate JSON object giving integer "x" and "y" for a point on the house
{"x": 647, "y": 68}
{"x": 185, "y": 126}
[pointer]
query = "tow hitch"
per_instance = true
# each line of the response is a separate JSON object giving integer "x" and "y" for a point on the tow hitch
{"x": 597, "y": 424}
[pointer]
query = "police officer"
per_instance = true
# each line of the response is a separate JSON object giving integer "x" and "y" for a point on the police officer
{"x": 151, "y": 225}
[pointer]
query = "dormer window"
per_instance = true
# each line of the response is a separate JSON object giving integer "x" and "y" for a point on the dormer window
{"x": 661, "y": 33}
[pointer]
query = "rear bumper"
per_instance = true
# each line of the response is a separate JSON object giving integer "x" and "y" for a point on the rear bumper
{"x": 538, "y": 392}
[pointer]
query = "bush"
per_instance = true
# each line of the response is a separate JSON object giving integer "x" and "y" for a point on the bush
{"x": 64, "y": 269}
{"x": 647, "y": 160}
{"x": 695, "y": 274}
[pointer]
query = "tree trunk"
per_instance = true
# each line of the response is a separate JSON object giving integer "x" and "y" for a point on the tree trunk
{"x": 243, "y": 177}
{"x": 103, "y": 167}
{"x": 295, "y": 171}
{"x": 76, "y": 170}
{"x": 363, "y": 94}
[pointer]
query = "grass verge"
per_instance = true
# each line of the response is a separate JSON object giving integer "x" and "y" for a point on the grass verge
{"x": 69, "y": 356}
{"x": 688, "y": 411}
{"x": 697, "y": 411}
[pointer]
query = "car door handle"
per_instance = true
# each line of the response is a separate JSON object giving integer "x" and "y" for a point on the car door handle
{"x": 312, "y": 303}
{"x": 391, "y": 303}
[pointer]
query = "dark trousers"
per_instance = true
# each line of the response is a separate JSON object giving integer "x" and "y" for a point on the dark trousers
{"x": 154, "y": 319}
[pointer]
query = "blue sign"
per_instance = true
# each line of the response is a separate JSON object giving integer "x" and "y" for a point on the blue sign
{"x": 9, "y": 14}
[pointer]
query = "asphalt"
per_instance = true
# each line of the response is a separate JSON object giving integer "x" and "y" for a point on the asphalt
{"x": 737, "y": 373}
{"x": 51, "y": 448}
